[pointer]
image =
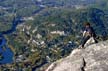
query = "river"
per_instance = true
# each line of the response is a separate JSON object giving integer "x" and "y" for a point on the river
{"x": 6, "y": 54}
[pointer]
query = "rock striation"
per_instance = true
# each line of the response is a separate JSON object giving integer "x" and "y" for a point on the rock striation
{"x": 93, "y": 58}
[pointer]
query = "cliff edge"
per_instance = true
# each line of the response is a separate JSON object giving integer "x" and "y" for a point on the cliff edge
{"x": 92, "y": 58}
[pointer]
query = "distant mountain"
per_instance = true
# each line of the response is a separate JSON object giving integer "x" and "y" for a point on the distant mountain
{"x": 33, "y": 6}
{"x": 53, "y": 2}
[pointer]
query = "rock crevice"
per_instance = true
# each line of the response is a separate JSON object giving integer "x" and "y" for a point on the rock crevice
{"x": 84, "y": 65}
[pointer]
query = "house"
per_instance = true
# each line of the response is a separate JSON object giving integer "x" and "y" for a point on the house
{"x": 39, "y": 36}
{"x": 58, "y": 32}
{"x": 34, "y": 30}
{"x": 28, "y": 18}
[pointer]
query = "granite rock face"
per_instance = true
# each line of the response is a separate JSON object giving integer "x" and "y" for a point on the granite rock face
{"x": 93, "y": 58}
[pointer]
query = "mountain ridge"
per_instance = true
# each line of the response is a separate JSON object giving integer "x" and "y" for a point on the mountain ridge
{"x": 92, "y": 58}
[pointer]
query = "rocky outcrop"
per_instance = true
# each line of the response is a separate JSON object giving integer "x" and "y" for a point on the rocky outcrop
{"x": 93, "y": 58}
